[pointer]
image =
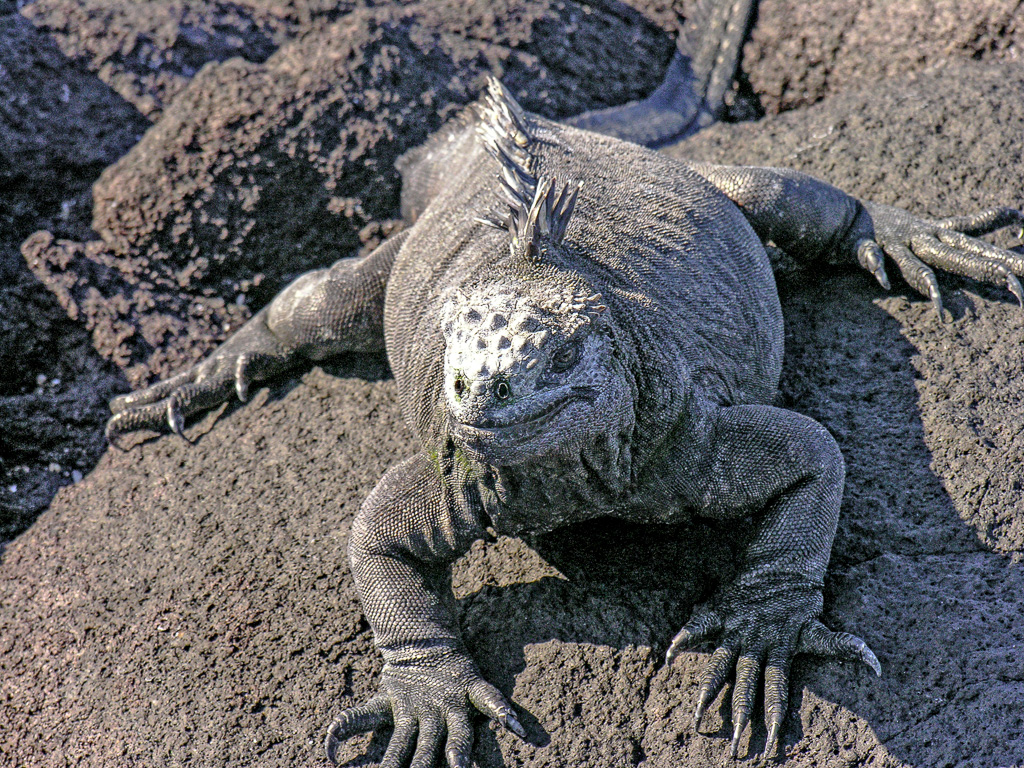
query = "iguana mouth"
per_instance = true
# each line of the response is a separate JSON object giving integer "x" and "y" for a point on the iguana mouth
{"x": 488, "y": 430}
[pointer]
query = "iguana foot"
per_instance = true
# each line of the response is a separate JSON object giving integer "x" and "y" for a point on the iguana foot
{"x": 917, "y": 245}
{"x": 762, "y": 628}
{"x": 428, "y": 700}
{"x": 253, "y": 354}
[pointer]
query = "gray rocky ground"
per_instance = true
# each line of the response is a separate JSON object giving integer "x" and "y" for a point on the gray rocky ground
{"x": 191, "y": 605}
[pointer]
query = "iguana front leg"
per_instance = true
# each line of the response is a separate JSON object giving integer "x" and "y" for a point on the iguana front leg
{"x": 417, "y": 521}
{"x": 321, "y": 313}
{"x": 785, "y": 471}
{"x": 810, "y": 219}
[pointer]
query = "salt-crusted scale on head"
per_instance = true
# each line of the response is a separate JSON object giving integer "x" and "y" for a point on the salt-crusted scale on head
{"x": 511, "y": 360}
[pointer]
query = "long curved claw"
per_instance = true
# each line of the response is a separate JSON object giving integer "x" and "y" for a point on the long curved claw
{"x": 112, "y": 436}
{"x": 175, "y": 418}
{"x": 242, "y": 376}
{"x": 1014, "y": 287}
{"x": 366, "y": 717}
{"x": 511, "y": 722}
{"x": 936, "y": 296}
{"x": 871, "y": 256}
{"x": 737, "y": 731}
{"x": 771, "y": 744}
{"x": 331, "y": 743}
{"x": 489, "y": 700}
{"x": 704, "y": 697}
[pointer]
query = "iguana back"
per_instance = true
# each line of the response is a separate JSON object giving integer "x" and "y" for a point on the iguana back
{"x": 686, "y": 278}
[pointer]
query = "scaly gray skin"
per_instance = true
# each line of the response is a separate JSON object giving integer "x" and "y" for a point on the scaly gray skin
{"x": 606, "y": 343}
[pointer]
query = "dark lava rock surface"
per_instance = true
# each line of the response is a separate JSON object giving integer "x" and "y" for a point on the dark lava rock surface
{"x": 192, "y": 605}
{"x": 803, "y": 51}
{"x": 260, "y": 171}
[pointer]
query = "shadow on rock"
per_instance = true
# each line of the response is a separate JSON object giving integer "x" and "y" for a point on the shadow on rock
{"x": 59, "y": 127}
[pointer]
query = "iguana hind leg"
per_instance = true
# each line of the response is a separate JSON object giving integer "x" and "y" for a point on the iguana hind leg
{"x": 692, "y": 95}
{"x": 321, "y": 313}
{"x": 813, "y": 221}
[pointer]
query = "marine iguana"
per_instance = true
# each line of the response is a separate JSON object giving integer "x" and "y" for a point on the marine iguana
{"x": 582, "y": 327}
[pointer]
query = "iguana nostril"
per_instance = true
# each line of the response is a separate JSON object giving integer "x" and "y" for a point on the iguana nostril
{"x": 502, "y": 390}
{"x": 460, "y": 387}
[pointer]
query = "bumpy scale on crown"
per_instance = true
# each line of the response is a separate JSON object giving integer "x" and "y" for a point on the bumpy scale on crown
{"x": 497, "y": 334}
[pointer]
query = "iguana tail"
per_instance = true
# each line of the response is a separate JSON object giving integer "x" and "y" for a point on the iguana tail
{"x": 698, "y": 78}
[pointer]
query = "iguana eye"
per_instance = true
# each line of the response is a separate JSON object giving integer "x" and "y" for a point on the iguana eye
{"x": 565, "y": 358}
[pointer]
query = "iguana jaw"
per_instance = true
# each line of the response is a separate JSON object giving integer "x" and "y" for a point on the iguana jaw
{"x": 527, "y": 434}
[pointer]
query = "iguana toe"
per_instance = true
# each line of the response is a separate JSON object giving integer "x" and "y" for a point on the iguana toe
{"x": 715, "y": 675}
{"x": 459, "y": 746}
{"x": 492, "y": 703}
{"x": 702, "y": 627}
{"x": 984, "y": 222}
{"x": 871, "y": 256}
{"x": 748, "y": 670}
{"x": 819, "y": 640}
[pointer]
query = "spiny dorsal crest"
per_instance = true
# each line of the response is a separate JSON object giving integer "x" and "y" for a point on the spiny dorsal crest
{"x": 538, "y": 209}
{"x": 547, "y": 217}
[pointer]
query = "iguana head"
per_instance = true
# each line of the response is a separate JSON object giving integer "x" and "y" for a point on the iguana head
{"x": 525, "y": 376}
{"x": 530, "y": 364}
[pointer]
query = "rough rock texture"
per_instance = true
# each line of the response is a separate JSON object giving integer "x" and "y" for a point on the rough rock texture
{"x": 191, "y": 605}
{"x": 802, "y": 51}
{"x": 148, "y": 52}
{"x": 59, "y": 127}
{"x": 258, "y": 172}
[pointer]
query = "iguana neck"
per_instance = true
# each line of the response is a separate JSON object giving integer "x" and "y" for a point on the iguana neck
{"x": 547, "y": 492}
